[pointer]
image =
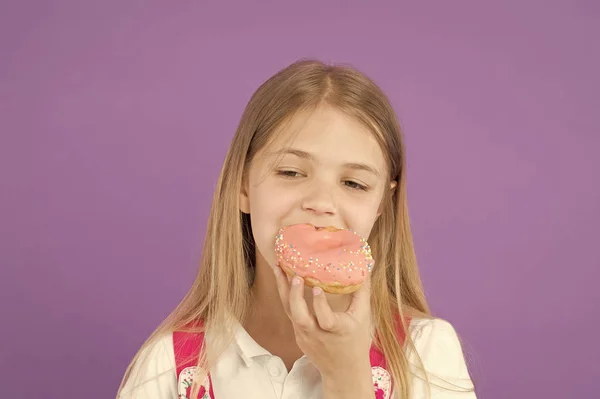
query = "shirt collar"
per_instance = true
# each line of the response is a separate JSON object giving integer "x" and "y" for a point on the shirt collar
{"x": 247, "y": 347}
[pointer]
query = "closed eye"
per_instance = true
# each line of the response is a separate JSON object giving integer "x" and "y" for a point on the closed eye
{"x": 289, "y": 173}
{"x": 292, "y": 174}
{"x": 354, "y": 185}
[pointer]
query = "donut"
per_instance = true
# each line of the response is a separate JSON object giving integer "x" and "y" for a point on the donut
{"x": 336, "y": 260}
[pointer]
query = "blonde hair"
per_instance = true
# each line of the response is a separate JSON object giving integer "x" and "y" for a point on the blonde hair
{"x": 219, "y": 295}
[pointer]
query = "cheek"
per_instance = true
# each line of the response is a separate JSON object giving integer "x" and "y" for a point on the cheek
{"x": 268, "y": 208}
{"x": 269, "y": 203}
{"x": 363, "y": 215}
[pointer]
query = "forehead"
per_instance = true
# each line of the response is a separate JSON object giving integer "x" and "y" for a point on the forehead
{"x": 329, "y": 134}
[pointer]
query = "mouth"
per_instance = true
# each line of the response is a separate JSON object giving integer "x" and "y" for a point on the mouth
{"x": 329, "y": 228}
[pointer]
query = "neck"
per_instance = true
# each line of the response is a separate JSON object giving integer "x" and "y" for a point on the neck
{"x": 266, "y": 309}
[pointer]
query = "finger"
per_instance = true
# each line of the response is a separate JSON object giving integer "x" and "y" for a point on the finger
{"x": 298, "y": 308}
{"x": 360, "y": 305}
{"x": 283, "y": 288}
{"x": 326, "y": 318}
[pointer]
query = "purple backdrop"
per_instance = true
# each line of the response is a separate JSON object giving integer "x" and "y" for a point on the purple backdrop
{"x": 115, "y": 117}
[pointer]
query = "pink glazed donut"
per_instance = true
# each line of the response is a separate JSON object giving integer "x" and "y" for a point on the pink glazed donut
{"x": 337, "y": 260}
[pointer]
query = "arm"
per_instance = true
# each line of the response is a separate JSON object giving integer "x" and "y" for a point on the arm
{"x": 356, "y": 383}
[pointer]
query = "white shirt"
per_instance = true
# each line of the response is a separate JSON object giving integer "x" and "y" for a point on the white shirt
{"x": 246, "y": 370}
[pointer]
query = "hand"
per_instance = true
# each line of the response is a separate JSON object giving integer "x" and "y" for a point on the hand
{"x": 337, "y": 343}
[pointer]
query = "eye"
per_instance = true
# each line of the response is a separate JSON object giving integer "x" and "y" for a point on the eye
{"x": 289, "y": 173}
{"x": 354, "y": 185}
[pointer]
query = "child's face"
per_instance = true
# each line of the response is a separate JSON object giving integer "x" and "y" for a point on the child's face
{"x": 323, "y": 168}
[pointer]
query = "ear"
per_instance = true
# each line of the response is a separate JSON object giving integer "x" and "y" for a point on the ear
{"x": 393, "y": 185}
{"x": 244, "y": 201}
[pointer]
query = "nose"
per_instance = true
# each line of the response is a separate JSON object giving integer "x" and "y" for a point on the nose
{"x": 319, "y": 201}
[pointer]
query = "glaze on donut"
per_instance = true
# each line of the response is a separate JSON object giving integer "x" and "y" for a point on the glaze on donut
{"x": 337, "y": 260}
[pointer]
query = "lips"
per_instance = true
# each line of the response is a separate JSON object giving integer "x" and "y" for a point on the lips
{"x": 330, "y": 228}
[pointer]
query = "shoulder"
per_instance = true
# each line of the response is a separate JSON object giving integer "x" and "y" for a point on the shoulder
{"x": 153, "y": 372}
{"x": 438, "y": 350}
{"x": 431, "y": 333}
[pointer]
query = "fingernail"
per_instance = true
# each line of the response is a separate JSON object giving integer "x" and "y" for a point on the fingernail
{"x": 296, "y": 280}
{"x": 317, "y": 291}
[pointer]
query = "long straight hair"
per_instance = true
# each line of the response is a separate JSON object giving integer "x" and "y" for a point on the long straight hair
{"x": 219, "y": 294}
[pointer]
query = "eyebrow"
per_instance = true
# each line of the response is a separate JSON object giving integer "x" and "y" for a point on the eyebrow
{"x": 308, "y": 156}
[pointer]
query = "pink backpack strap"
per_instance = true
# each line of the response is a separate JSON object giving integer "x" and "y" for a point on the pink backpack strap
{"x": 187, "y": 346}
{"x": 382, "y": 379}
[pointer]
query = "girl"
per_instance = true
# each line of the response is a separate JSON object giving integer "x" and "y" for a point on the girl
{"x": 316, "y": 144}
